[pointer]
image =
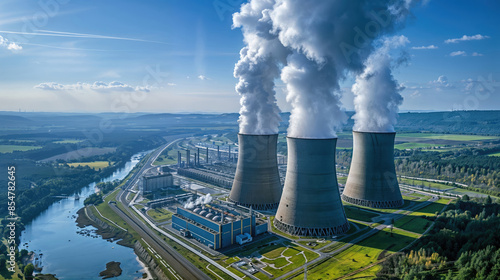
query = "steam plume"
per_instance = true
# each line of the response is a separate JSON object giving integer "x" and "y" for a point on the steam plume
{"x": 377, "y": 94}
{"x": 328, "y": 39}
{"x": 200, "y": 200}
{"x": 257, "y": 69}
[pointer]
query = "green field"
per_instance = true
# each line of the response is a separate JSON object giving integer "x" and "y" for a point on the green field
{"x": 68, "y": 141}
{"x": 494, "y": 155}
{"x": 453, "y": 137}
{"x": 283, "y": 257}
{"x": 13, "y": 148}
{"x": 439, "y": 186}
{"x": 359, "y": 214}
{"x": 361, "y": 255}
{"x": 413, "y": 224}
{"x": 160, "y": 215}
{"x": 342, "y": 180}
{"x": 431, "y": 209}
{"x": 93, "y": 164}
{"x": 412, "y": 145}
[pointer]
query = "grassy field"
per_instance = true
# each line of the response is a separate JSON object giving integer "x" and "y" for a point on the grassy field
{"x": 453, "y": 137}
{"x": 413, "y": 224}
{"x": 431, "y": 209}
{"x": 361, "y": 255}
{"x": 68, "y": 141}
{"x": 358, "y": 214}
{"x": 342, "y": 180}
{"x": 169, "y": 157}
{"x": 94, "y": 164}
{"x": 76, "y": 154}
{"x": 494, "y": 155}
{"x": 412, "y": 145}
{"x": 439, "y": 186}
{"x": 13, "y": 148}
{"x": 160, "y": 215}
{"x": 281, "y": 258}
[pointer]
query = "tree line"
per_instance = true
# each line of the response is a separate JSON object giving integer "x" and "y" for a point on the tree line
{"x": 463, "y": 244}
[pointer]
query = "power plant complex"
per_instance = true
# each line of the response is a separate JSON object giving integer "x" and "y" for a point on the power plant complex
{"x": 311, "y": 204}
{"x": 310, "y": 201}
{"x": 257, "y": 182}
{"x": 372, "y": 180}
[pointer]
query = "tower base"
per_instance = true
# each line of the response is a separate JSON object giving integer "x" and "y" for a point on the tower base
{"x": 372, "y": 203}
{"x": 302, "y": 231}
{"x": 263, "y": 207}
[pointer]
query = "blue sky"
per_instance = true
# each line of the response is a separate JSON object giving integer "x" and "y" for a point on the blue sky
{"x": 179, "y": 55}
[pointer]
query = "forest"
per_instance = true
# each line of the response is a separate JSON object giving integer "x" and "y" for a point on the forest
{"x": 463, "y": 244}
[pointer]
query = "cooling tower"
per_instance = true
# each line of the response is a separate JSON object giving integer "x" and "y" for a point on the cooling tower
{"x": 256, "y": 181}
{"x": 310, "y": 204}
{"x": 372, "y": 178}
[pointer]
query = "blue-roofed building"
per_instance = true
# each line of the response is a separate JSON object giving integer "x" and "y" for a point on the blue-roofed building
{"x": 217, "y": 226}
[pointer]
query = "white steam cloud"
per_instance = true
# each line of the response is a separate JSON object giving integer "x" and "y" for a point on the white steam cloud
{"x": 96, "y": 86}
{"x": 190, "y": 204}
{"x": 376, "y": 93}
{"x": 328, "y": 39}
{"x": 12, "y": 46}
{"x": 257, "y": 69}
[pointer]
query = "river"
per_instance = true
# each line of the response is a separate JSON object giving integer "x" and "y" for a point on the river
{"x": 70, "y": 255}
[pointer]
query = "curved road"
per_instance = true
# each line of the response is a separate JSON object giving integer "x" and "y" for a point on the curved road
{"x": 182, "y": 266}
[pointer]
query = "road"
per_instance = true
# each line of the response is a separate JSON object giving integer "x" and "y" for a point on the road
{"x": 183, "y": 267}
{"x": 178, "y": 263}
{"x": 165, "y": 248}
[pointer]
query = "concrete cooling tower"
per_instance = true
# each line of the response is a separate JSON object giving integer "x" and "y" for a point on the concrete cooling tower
{"x": 372, "y": 178}
{"x": 311, "y": 204}
{"x": 256, "y": 181}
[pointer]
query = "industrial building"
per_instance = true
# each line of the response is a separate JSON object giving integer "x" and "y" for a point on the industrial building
{"x": 310, "y": 204}
{"x": 208, "y": 176}
{"x": 257, "y": 182}
{"x": 372, "y": 180}
{"x": 218, "y": 226}
{"x": 157, "y": 178}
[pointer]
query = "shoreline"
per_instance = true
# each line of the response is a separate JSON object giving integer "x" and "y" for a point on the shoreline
{"x": 145, "y": 268}
{"x": 104, "y": 230}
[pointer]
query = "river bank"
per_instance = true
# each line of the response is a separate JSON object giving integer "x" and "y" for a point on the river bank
{"x": 73, "y": 252}
{"x": 85, "y": 218}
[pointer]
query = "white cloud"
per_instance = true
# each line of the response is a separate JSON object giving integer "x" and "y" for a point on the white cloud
{"x": 203, "y": 77}
{"x": 477, "y": 54}
{"x": 9, "y": 45}
{"x": 442, "y": 83}
{"x": 96, "y": 86}
{"x": 171, "y": 84}
{"x": 467, "y": 38}
{"x": 415, "y": 93}
{"x": 441, "y": 80}
{"x": 458, "y": 53}
{"x": 431, "y": 47}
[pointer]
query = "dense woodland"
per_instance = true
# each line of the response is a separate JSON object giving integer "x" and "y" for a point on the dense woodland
{"x": 463, "y": 244}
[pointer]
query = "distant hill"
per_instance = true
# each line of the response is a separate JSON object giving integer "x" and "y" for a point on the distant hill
{"x": 9, "y": 121}
{"x": 468, "y": 122}
{"x": 462, "y": 122}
